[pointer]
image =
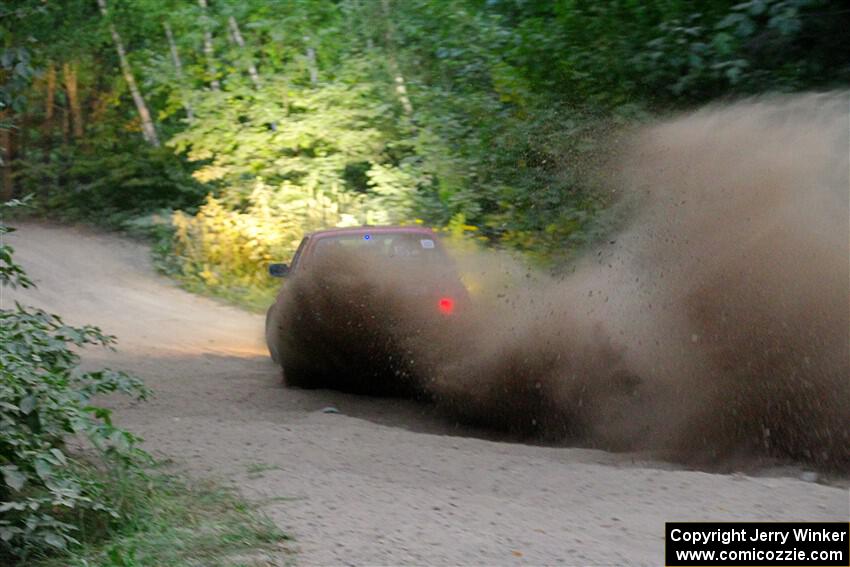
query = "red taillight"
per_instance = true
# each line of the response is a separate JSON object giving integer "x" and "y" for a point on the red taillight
{"x": 446, "y": 305}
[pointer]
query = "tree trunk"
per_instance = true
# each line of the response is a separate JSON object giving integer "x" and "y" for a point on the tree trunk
{"x": 178, "y": 68}
{"x": 311, "y": 63}
{"x": 400, "y": 87}
{"x": 209, "y": 52}
{"x": 240, "y": 41}
{"x": 66, "y": 125}
{"x": 69, "y": 77}
{"x": 49, "y": 98}
{"x": 148, "y": 129}
{"x": 7, "y": 191}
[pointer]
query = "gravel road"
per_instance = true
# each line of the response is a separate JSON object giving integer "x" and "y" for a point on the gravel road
{"x": 381, "y": 482}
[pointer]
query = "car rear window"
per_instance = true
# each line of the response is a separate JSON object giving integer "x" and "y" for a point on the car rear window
{"x": 402, "y": 246}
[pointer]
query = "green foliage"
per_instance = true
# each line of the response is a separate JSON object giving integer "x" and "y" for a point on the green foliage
{"x": 16, "y": 70}
{"x": 683, "y": 51}
{"x": 287, "y": 159}
{"x": 74, "y": 488}
{"x": 749, "y": 47}
{"x": 172, "y": 522}
{"x": 108, "y": 182}
{"x": 299, "y": 136}
{"x": 488, "y": 114}
{"x": 226, "y": 250}
{"x": 110, "y": 174}
{"x": 11, "y": 274}
{"x": 44, "y": 399}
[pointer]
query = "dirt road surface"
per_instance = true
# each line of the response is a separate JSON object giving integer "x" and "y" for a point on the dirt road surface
{"x": 382, "y": 482}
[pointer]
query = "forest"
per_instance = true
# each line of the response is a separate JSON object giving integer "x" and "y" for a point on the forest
{"x": 222, "y": 131}
{"x": 227, "y": 129}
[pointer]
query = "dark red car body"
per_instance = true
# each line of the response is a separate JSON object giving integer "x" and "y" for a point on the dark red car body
{"x": 449, "y": 297}
{"x": 301, "y": 259}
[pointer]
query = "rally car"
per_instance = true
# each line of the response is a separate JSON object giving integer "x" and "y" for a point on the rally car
{"x": 299, "y": 333}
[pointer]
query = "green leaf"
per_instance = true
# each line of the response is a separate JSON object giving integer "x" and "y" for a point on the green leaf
{"x": 43, "y": 469}
{"x": 60, "y": 456}
{"x": 7, "y": 533}
{"x": 7, "y": 506}
{"x": 13, "y": 477}
{"x": 55, "y": 540}
{"x": 27, "y": 405}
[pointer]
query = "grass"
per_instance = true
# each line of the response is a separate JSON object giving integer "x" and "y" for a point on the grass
{"x": 256, "y": 470}
{"x": 179, "y": 523}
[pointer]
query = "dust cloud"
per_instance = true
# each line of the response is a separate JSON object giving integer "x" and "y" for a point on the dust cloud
{"x": 713, "y": 327}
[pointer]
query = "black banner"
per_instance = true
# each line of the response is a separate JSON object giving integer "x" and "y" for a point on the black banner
{"x": 814, "y": 544}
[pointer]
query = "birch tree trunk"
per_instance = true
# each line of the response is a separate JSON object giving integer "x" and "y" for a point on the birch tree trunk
{"x": 148, "y": 129}
{"x": 69, "y": 78}
{"x": 178, "y": 68}
{"x": 311, "y": 63}
{"x": 49, "y": 97}
{"x": 240, "y": 41}
{"x": 209, "y": 52}
{"x": 398, "y": 78}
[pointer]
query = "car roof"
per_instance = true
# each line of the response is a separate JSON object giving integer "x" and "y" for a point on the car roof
{"x": 357, "y": 230}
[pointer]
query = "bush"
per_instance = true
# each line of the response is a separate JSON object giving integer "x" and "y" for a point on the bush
{"x": 225, "y": 250}
{"x": 45, "y": 399}
{"x": 107, "y": 185}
